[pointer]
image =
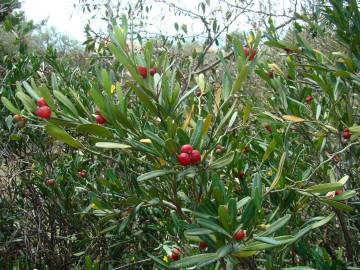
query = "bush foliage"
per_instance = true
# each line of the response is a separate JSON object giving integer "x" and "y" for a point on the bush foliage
{"x": 276, "y": 121}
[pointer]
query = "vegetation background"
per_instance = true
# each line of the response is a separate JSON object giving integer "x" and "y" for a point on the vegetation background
{"x": 273, "y": 111}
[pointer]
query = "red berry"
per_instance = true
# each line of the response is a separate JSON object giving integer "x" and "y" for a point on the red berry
{"x": 195, "y": 157}
{"x": 241, "y": 174}
{"x": 187, "y": 148}
{"x": 142, "y": 71}
{"x": 50, "y": 182}
{"x": 267, "y": 127}
{"x": 270, "y": 74}
{"x": 17, "y": 118}
{"x": 309, "y": 99}
{"x": 100, "y": 119}
{"x": 202, "y": 245}
{"x": 152, "y": 71}
{"x": 239, "y": 235}
{"x": 43, "y": 112}
{"x": 82, "y": 173}
{"x": 175, "y": 254}
{"x": 41, "y": 102}
{"x": 218, "y": 151}
{"x": 338, "y": 192}
{"x": 184, "y": 159}
{"x": 288, "y": 51}
{"x": 346, "y": 134}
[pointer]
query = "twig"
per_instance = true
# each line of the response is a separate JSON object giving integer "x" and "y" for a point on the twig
{"x": 330, "y": 158}
{"x": 129, "y": 264}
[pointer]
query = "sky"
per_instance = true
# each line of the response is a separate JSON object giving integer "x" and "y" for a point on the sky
{"x": 62, "y": 15}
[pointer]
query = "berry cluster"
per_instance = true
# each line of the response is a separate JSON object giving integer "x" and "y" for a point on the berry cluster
{"x": 99, "y": 118}
{"x": 249, "y": 53}
{"x": 189, "y": 155}
{"x": 143, "y": 71}
{"x": 43, "y": 110}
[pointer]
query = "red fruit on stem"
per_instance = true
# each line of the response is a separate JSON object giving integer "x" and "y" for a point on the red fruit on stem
{"x": 239, "y": 235}
{"x": 267, "y": 127}
{"x": 218, "y": 150}
{"x": 270, "y": 74}
{"x": 50, "y": 182}
{"x": 175, "y": 254}
{"x": 202, "y": 245}
{"x": 309, "y": 99}
{"x": 241, "y": 174}
{"x": 41, "y": 102}
{"x": 184, "y": 159}
{"x": 17, "y": 118}
{"x": 100, "y": 119}
{"x": 346, "y": 134}
{"x": 338, "y": 192}
{"x": 187, "y": 148}
{"x": 82, "y": 173}
{"x": 249, "y": 53}
{"x": 142, "y": 71}
{"x": 195, "y": 157}
{"x": 44, "y": 112}
{"x": 288, "y": 51}
{"x": 152, "y": 71}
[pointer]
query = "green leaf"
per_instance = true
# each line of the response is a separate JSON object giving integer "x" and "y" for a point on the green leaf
{"x": 224, "y": 250}
{"x": 145, "y": 99}
{"x": 323, "y": 221}
{"x": 7, "y": 103}
{"x": 95, "y": 130}
{"x": 30, "y": 91}
{"x": 212, "y": 226}
{"x": 299, "y": 268}
{"x": 278, "y": 174}
{"x": 322, "y": 188}
{"x": 62, "y": 135}
{"x": 246, "y": 112}
{"x": 193, "y": 260}
{"x": 112, "y": 145}
{"x": 157, "y": 260}
{"x": 198, "y": 231}
{"x": 154, "y": 174}
{"x": 278, "y": 224}
{"x": 196, "y": 136}
{"x": 67, "y": 102}
{"x": 345, "y": 195}
{"x": 28, "y": 102}
{"x": 45, "y": 93}
{"x": 267, "y": 240}
{"x": 106, "y": 81}
{"x": 240, "y": 78}
{"x": 224, "y": 217}
{"x": 338, "y": 205}
{"x": 269, "y": 150}
{"x": 223, "y": 161}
